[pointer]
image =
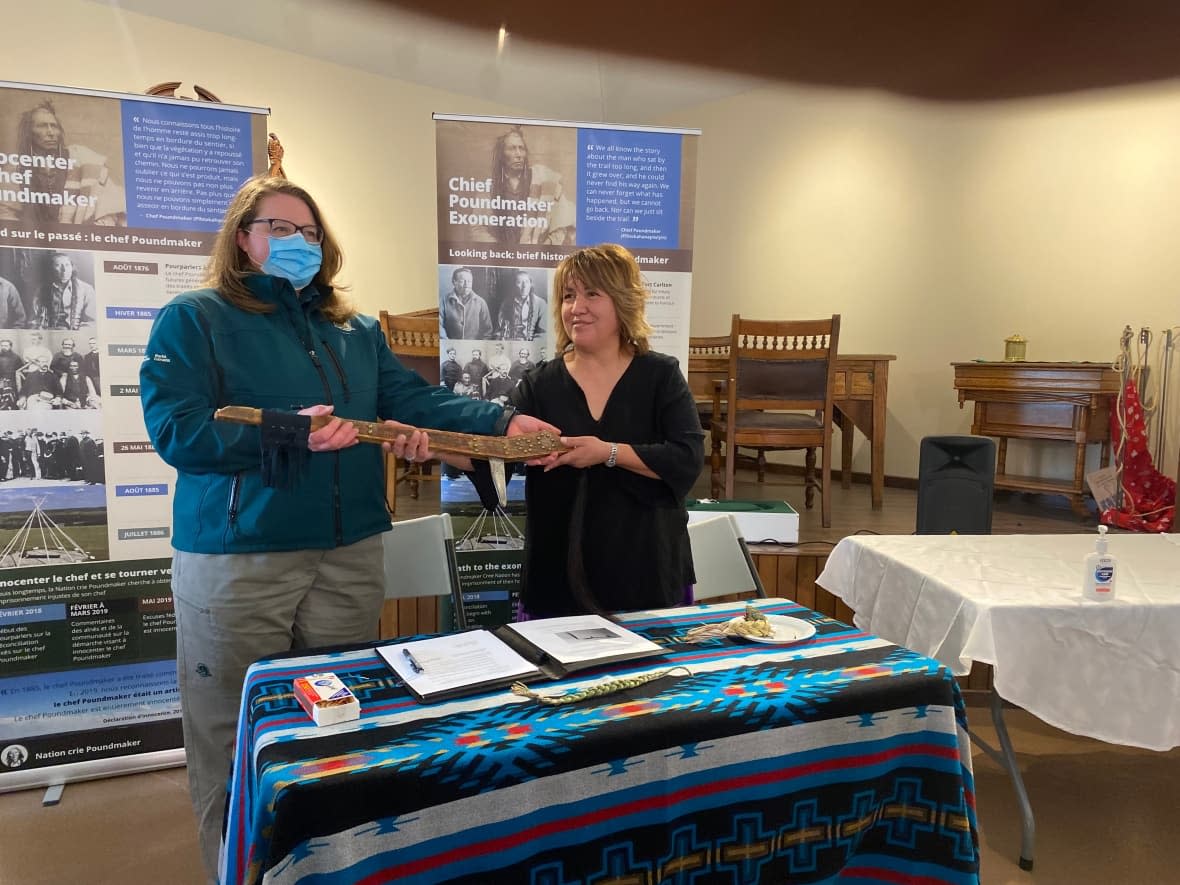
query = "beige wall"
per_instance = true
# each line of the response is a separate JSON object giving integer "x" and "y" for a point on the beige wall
{"x": 935, "y": 230}
{"x": 938, "y": 230}
{"x": 363, "y": 145}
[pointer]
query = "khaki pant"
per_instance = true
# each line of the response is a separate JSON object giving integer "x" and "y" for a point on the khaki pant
{"x": 232, "y": 609}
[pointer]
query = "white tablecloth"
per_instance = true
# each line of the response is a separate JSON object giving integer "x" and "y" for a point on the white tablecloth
{"x": 1109, "y": 670}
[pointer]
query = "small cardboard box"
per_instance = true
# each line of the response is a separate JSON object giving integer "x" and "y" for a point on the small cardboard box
{"x": 326, "y": 699}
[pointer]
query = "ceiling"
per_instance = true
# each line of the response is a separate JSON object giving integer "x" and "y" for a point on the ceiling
{"x": 529, "y": 77}
{"x": 635, "y": 60}
{"x": 931, "y": 49}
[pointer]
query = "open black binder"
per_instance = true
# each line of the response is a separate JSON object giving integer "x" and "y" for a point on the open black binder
{"x": 476, "y": 661}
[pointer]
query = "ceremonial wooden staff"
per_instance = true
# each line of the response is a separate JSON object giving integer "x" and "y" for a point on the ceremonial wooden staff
{"x": 493, "y": 449}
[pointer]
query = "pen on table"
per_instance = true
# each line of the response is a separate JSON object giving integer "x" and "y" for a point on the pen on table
{"x": 414, "y": 665}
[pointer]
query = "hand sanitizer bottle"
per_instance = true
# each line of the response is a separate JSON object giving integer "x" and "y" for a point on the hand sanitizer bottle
{"x": 1099, "y": 570}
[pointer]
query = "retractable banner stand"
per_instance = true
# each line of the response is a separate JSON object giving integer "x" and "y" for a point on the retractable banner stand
{"x": 109, "y": 205}
{"x": 514, "y": 198}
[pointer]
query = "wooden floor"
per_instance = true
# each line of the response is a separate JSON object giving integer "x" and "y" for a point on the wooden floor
{"x": 1105, "y": 814}
{"x": 789, "y": 571}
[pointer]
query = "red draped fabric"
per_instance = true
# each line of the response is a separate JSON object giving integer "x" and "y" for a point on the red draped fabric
{"x": 1149, "y": 497}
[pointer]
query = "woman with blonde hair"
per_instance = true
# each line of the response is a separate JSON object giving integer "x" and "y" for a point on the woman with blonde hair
{"x": 635, "y": 449}
{"x": 277, "y": 530}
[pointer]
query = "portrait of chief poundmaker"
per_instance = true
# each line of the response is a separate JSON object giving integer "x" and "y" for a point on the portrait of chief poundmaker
{"x": 45, "y": 179}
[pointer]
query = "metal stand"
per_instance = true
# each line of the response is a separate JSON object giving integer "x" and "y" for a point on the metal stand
{"x": 52, "y": 795}
{"x": 1007, "y": 759}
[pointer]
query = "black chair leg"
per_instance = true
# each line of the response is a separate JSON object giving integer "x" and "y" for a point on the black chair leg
{"x": 809, "y": 481}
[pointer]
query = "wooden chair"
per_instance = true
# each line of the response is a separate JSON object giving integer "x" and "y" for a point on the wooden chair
{"x": 776, "y": 370}
{"x": 708, "y": 363}
{"x": 414, "y": 338}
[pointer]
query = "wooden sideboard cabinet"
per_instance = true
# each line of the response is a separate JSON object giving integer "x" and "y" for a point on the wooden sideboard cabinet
{"x": 1067, "y": 402}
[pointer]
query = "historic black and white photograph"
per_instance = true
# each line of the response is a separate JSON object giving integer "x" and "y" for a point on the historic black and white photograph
{"x": 53, "y": 482}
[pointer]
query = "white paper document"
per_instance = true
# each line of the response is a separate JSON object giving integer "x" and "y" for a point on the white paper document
{"x": 430, "y": 666}
{"x": 482, "y": 660}
{"x": 582, "y": 638}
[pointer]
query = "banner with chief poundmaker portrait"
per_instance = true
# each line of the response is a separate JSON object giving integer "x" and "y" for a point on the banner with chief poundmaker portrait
{"x": 514, "y": 198}
{"x": 109, "y": 205}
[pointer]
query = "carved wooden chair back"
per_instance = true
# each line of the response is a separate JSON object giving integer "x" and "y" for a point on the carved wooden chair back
{"x": 708, "y": 363}
{"x": 779, "y": 392}
{"x": 414, "y": 339}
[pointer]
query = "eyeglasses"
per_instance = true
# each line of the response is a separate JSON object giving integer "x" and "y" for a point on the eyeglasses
{"x": 280, "y": 227}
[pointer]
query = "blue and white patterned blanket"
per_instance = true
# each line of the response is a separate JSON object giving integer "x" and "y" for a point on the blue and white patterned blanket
{"x": 841, "y": 758}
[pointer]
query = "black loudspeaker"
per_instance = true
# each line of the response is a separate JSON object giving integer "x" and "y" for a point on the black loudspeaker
{"x": 956, "y": 478}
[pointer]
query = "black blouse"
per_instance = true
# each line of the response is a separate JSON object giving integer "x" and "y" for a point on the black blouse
{"x": 627, "y": 532}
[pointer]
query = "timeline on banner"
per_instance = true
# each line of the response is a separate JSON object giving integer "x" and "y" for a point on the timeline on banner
{"x": 109, "y": 205}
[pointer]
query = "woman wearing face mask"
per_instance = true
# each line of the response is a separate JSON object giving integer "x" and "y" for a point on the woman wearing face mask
{"x": 275, "y": 547}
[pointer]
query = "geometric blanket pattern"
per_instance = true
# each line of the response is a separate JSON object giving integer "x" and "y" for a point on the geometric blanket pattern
{"x": 841, "y": 758}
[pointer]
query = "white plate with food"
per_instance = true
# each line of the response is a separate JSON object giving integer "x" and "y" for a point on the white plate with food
{"x": 782, "y": 629}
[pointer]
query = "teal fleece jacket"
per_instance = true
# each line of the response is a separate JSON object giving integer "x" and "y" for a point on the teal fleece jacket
{"x": 204, "y": 353}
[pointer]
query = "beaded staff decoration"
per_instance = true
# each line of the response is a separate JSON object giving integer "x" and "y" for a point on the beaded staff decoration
{"x": 595, "y": 691}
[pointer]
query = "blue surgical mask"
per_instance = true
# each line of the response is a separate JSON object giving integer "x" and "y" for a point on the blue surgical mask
{"x": 293, "y": 259}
